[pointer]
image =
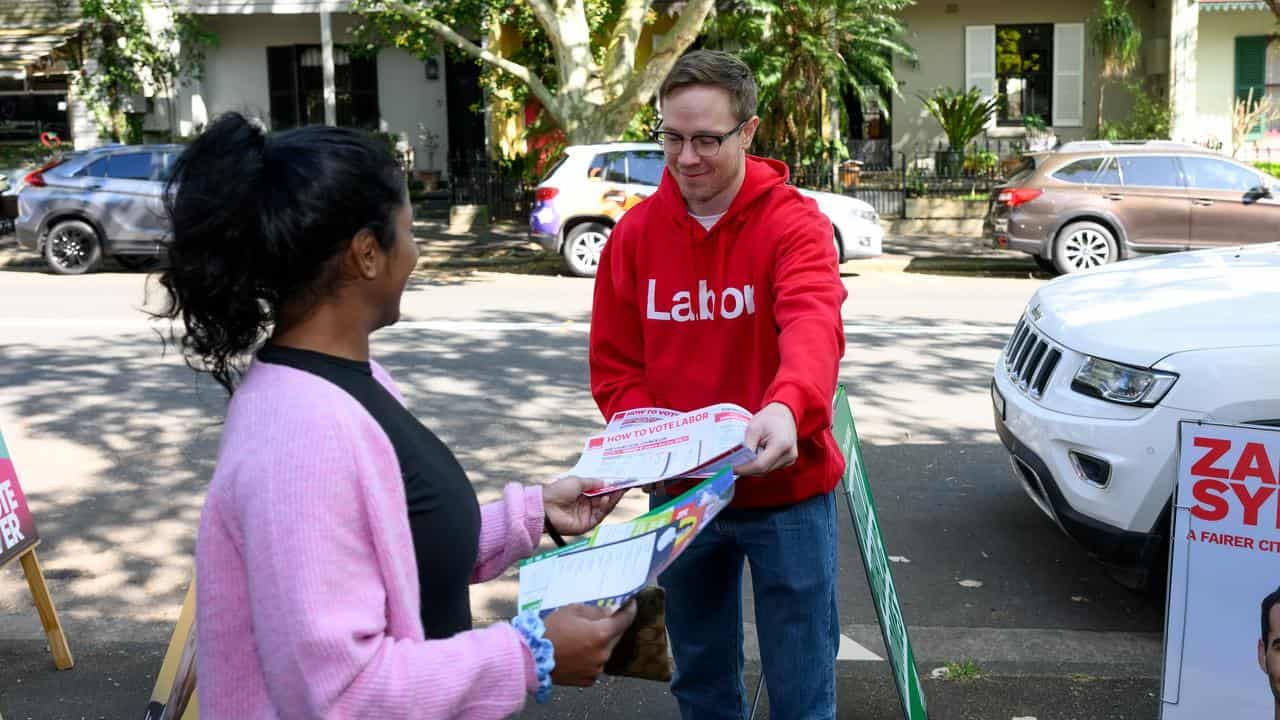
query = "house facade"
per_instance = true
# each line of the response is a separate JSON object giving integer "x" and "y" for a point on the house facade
{"x": 35, "y": 83}
{"x": 289, "y": 63}
{"x": 1034, "y": 54}
{"x": 1238, "y": 57}
{"x": 1199, "y": 56}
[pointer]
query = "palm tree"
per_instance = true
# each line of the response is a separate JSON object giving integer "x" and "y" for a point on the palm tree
{"x": 1116, "y": 39}
{"x": 804, "y": 50}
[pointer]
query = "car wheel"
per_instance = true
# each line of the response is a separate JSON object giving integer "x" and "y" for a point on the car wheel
{"x": 1083, "y": 245}
{"x": 72, "y": 248}
{"x": 839, "y": 249}
{"x": 583, "y": 247}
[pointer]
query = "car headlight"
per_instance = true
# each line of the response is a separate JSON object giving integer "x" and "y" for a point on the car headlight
{"x": 868, "y": 215}
{"x": 1122, "y": 384}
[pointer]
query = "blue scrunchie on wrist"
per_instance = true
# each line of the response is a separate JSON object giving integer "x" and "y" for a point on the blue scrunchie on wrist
{"x": 531, "y": 629}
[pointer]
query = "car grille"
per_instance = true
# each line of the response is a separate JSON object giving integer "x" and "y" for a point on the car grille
{"x": 1030, "y": 359}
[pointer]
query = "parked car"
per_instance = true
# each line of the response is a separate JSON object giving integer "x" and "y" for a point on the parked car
{"x": 1093, "y": 381}
{"x": 1093, "y": 203}
{"x": 584, "y": 194}
{"x": 8, "y": 206}
{"x": 105, "y": 201}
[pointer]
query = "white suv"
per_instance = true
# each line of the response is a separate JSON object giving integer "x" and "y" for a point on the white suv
{"x": 1090, "y": 387}
{"x": 584, "y": 194}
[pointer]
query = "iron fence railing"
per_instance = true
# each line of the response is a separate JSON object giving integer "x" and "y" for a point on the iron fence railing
{"x": 1254, "y": 153}
{"x": 474, "y": 180}
{"x": 925, "y": 171}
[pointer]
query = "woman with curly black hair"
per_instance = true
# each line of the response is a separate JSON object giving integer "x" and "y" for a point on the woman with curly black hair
{"x": 339, "y": 536}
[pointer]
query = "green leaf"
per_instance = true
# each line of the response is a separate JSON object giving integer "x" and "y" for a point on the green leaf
{"x": 962, "y": 115}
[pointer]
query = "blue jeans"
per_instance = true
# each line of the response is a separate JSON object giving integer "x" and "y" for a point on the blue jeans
{"x": 792, "y": 551}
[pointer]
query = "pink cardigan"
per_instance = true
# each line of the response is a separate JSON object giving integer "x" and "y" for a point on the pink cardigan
{"x": 307, "y": 587}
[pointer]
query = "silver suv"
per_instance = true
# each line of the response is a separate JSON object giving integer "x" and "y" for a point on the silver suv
{"x": 105, "y": 201}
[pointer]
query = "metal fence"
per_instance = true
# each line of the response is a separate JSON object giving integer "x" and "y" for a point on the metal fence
{"x": 474, "y": 180}
{"x": 932, "y": 170}
{"x": 884, "y": 190}
{"x": 1251, "y": 152}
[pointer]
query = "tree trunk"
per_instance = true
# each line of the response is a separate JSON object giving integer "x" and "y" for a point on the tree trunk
{"x": 592, "y": 104}
{"x": 592, "y": 126}
{"x": 1102, "y": 94}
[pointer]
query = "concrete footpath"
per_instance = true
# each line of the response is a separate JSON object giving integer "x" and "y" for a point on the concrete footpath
{"x": 506, "y": 247}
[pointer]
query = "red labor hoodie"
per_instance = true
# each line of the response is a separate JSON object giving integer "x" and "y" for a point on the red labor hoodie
{"x": 746, "y": 313}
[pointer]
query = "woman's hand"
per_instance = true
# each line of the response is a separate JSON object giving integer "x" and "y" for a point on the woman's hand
{"x": 583, "y": 637}
{"x": 573, "y": 513}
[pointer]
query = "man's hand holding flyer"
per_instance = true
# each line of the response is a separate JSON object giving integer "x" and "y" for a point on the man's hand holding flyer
{"x": 651, "y": 445}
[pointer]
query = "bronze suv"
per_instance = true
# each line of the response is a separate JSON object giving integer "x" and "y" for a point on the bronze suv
{"x": 1092, "y": 203}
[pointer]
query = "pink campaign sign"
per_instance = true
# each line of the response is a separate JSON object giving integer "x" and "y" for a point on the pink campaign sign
{"x": 17, "y": 527}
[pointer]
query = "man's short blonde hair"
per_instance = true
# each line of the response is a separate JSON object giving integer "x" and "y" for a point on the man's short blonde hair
{"x": 718, "y": 69}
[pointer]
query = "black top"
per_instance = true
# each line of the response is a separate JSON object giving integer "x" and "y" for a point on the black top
{"x": 444, "y": 515}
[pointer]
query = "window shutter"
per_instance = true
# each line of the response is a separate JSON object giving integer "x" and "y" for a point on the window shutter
{"x": 1251, "y": 70}
{"x": 1068, "y": 75}
{"x": 980, "y": 61}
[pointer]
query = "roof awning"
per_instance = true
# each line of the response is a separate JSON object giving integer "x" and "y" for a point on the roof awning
{"x": 1227, "y": 5}
{"x": 23, "y": 46}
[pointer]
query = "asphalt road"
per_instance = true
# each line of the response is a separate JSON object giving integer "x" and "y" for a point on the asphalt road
{"x": 114, "y": 440}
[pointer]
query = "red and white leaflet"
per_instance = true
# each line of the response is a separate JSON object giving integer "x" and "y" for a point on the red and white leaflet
{"x": 638, "y": 416}
{"x": 670, "y": 445}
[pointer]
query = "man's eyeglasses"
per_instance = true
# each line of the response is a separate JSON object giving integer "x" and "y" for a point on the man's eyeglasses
{"x": 707, "y": 146}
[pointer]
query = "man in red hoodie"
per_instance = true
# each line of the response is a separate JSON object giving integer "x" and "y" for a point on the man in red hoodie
{"x": 723, "y": 287}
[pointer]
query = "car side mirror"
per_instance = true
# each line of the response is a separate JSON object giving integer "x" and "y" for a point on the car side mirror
{"x": 1257, "y": 193}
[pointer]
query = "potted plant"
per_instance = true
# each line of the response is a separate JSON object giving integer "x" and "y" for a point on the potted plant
{"x": 982, "y": 163}
{"x": 1040, "y": 137}
{"x": 963, "y": 116}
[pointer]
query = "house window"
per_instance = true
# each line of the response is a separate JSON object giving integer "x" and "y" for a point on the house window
{"x": 295, "y": 80}
{"x": 1258, "y": 75}
{"x": 1024, "y": 72}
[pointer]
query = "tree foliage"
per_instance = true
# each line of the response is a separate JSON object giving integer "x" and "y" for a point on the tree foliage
{"x": 1116, "y": 39}
{"x": 1149, "y": 117}
{"x": 962, "y": 115}
{"x": 802, "y": 50}
{"x": 130, "y": 52}
{"x": 577, "y": 57}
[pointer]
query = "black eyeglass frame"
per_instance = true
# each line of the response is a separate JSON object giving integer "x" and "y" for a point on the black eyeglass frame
{"x": 660, "y": 136}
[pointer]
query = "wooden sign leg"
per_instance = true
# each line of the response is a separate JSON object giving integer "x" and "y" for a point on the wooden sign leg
{"x": 48, "y": 615}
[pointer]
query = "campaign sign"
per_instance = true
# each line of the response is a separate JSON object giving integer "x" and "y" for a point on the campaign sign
{"x": 866, "y": 527}
{"x": 1222, "y": 635}
{"x": 17, "y": 528}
